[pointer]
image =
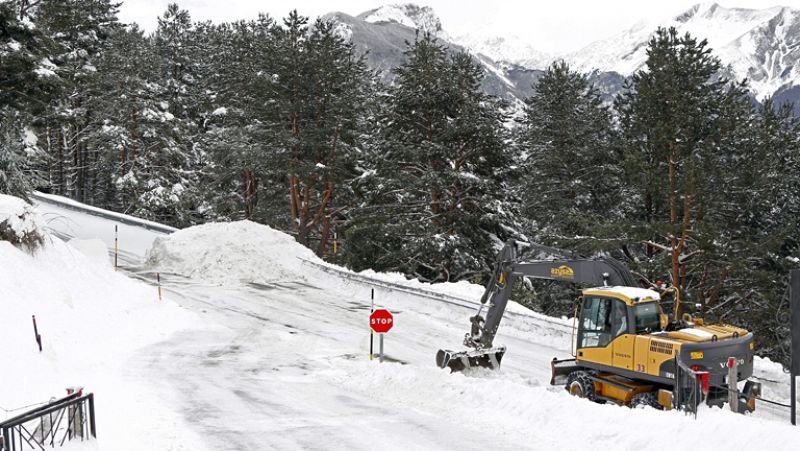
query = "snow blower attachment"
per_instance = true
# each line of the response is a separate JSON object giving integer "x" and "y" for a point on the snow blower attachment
{"x": 479, "y": 339}
{"x": 459, "y": 361}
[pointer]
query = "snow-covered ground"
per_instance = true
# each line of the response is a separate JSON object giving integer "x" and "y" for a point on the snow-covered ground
{"x": 257, "y": 346}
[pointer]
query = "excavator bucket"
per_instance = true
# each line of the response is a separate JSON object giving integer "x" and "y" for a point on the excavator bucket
{"x": 560, "y": 369}
{"x": 461, "y": 360}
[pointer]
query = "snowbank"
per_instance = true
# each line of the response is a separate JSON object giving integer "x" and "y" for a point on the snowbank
{"x": 230, "y": 253}
{"x": 92, "y": 321}
{"x": 546, "y": 418}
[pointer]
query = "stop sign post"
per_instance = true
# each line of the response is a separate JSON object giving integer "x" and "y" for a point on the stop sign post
{"x": 381, "y": 321}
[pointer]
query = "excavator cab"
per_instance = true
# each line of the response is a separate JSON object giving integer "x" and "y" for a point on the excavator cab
{"x": 609, "y": 321}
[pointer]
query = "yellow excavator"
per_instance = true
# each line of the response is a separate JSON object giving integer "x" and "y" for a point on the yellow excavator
{"x": 626, "y": 348}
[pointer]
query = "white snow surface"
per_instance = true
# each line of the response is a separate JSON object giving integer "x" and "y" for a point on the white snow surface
{"x": 632, "y": 292}
{"x": 92, "y": 321}
{"x": 94, "y": 249}
{"x": 282, "y": 363}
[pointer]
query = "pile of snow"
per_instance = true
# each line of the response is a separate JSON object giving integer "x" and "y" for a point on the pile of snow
{"x": 19, "y": 223}
{"x": 92, "y": 320}
{"x": 531, "y": 412}
{"x": 230, "y": 253}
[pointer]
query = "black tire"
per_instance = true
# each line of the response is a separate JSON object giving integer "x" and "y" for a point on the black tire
{"x": 580, "y": 384}
{"x": 647, "y": 399}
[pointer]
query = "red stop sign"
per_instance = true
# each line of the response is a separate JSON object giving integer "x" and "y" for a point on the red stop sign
{"x": 381, "y": 321}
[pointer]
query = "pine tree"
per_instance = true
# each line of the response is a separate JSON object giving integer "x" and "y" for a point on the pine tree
{"x": 17, "y": 176}
{"x": 238, "y": 136}
{"x": 758, "y": 222}
{"x": 683, "y": 126}
{"x": 572, "y": 175}
{"x": 442, "y": 201}
{"x": 26, "y": 86}
{"x": 320, "y": 89}
{"x": 80, "y": 30}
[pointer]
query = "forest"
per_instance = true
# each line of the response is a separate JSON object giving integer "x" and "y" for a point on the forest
{"x": 685, "y": 177}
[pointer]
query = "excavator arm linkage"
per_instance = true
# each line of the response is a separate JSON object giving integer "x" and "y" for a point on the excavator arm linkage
{"x": 479, "y": 340}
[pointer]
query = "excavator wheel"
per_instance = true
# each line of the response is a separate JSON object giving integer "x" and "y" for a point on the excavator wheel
{"x": 649, "y": 399}
{"x": 580, "y": 384}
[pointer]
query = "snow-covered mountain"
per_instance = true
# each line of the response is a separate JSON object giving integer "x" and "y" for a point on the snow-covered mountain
{"x": 511, "y": 70}
{"x": 512, "y": 49}
{"x": 762, "y": 45}
{"x": 409, "y": 15}
{"x": 383, "y": 33}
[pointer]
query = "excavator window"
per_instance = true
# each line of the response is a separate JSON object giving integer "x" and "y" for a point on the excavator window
{"x": 619, "y": 318}
{"x": 647, "y": 317}
{"x": 596, "y": 327}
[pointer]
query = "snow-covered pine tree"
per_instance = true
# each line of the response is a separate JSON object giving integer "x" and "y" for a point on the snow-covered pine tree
{"x": 685, "y": 129}
{"x": 756, "y": 219}
{"x": 79, "y": 29}
{"x": 26, "y": 86}
{"x": 166, "y": 170}
{"x": 317, "y": 89}
{"x": 244, "y": 64}
{"x": 571, "y": 178}
{"x": 442, "y": 204}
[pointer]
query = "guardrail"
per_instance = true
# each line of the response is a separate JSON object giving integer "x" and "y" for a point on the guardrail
{"x": 70, "y": 204}
{"x": 51, "y": 425}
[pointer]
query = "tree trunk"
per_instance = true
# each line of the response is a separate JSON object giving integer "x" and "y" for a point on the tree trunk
{"x": 250, "y": 193}
{"x": 326, "y": 232}
{"x": 673, "y": 219}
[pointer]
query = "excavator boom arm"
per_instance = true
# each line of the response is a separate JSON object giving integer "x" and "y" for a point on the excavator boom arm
{"x": 598, "y": 271}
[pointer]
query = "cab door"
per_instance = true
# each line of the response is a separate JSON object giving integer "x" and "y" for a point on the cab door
{"x": 595, "y": 334}
{"x": 622, "y": 341}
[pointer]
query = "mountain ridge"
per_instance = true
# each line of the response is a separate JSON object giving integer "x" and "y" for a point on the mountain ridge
{"x": 762, "y": 45}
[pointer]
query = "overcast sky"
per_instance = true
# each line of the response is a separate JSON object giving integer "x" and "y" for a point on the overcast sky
{"x": 554, "y": 26}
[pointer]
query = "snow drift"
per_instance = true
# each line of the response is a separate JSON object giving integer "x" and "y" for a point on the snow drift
{"x": 230, "y": 253}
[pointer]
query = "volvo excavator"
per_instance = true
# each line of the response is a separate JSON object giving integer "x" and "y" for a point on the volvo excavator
{"x": 626, "y": 348}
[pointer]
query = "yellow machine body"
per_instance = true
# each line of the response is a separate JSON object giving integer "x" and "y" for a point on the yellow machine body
{"x": 637, "y": 361}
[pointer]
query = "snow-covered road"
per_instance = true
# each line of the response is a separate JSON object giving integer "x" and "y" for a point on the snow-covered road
{"x": 279, "y": 360}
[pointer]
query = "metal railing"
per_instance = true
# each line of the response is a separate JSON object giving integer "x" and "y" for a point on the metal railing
{"x": 50, "y": 425}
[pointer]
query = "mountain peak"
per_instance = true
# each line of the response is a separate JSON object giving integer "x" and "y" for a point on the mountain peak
{"x": 408, "y": 14}
{"x": 714, "y": 11}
